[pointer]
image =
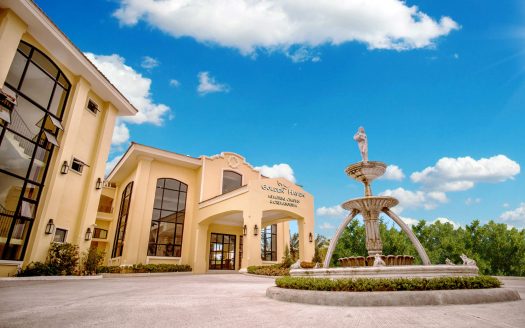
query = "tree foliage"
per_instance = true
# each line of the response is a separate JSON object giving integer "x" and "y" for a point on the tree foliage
{"x": 496, "y": 249}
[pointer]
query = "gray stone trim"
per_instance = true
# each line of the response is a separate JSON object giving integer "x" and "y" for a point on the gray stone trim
{"x": 400, "y": 298}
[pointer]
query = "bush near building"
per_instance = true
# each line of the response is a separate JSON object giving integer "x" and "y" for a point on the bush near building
{"x": 62, "y": 259}
{"x": 380, "y": 285}
{"x": 145, "y": 268}
{"x": 269, "y": 270}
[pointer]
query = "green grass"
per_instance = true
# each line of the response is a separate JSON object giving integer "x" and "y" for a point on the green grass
{"x": 384, "y": 284}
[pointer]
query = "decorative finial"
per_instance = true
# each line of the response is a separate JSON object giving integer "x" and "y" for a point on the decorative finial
{"x": 362, "y": 143}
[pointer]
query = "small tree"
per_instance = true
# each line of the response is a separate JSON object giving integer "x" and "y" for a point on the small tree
{"x": 287, "y": 259}
{"x": 92, "y": 259}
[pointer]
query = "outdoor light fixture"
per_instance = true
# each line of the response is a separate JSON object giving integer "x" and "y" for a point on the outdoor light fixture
{"x": 88, "y": 234}
{"x": 244, "y": 230}
{"x": 50, "y": 227}
{"x": 255, "y": 230}
{"x": 98, "y": 185}
{"x": 65, "y": 168}
{"x": 311, "y": 237}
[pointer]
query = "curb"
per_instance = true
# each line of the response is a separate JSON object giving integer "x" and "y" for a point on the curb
{"x": 51, "y": 278}
{"x": 400, "y": 298}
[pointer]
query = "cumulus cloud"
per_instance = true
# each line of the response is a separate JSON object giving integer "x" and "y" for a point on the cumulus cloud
{"x": 207, "y": 84}
{"x": 326, "y": 226}
{"x": 457, "y": 174}
{"x": 149, "y": 62}
{"x": 416, "y": 199}
{"x": 174, "y": 83}
{"x": 111, "y": 164}
{"x": 516, "y": 217}
{"x": 120, "y": 135}
{"x": 471, "y": 201}
{"x": 249, "y": 25}
{"x": 409, "y": 221}
{"x": 336, "y": 210}
{"x": 277, "y": 171}
{"x": 133, "y": 86}
{"x": 393, "y": 172}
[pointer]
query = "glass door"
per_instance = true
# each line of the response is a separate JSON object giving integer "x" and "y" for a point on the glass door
{"x": 222, "y": 252}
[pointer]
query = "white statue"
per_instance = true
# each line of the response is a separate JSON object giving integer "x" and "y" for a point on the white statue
{"x": 296, "y": 265}
{"x": 362, "y": 143}
{"x": 467, "y": 261}
{"x": 378, "y": 261}
{"x": 449, "y": 262}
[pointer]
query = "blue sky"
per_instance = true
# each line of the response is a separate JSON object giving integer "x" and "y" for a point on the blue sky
{"x": 439, "y": 87}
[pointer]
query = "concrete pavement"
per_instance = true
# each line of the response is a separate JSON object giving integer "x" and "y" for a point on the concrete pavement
{"x": 228, "y": 300}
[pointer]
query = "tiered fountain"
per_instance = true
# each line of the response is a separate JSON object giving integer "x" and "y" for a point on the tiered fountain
{"x": 370, "y": 207}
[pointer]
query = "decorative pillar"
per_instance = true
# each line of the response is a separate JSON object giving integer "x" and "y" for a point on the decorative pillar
{"x": 11, "y": 30}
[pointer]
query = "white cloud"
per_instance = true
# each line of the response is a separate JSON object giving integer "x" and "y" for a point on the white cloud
{"x": 111, "y": 164}
{"x": 326, "y": 226}
{"x": 149, "y": 62}
{"x": 471, "y": 201}
{"x": 207, "y": 84}
{"x": 174, "y": 83}
{"x": 393, "y": 172}
{"x": 336, "y": 210}
{"x": 277, "y": 171}
{"x": 416, "y": 199}
{"x": 133, "y": 86}
{"x": 120, "y": 134}
{"x": 409, "y": 221}
{"x": 248, "y": 25}
{"x": 505, "y": 205}
{"x": 516, "y": 216}
{"x": 445, "y": 220}
{"x": 457, "y": 174}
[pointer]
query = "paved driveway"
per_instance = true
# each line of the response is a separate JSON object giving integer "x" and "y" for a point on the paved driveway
{"x": 218, "y": 300}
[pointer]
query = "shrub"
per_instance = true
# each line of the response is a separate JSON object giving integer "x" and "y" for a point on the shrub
{"x": 92, "y": 260}
{"x": 385, "y": 284}
{"x": 145, "y": 268}
{"x": 269, "y": 270}
{"x": 38, "y": 269}
{"x": 64, "y": 257}
{"x": 307, "y": 265}
{"x": 287, "y": 259}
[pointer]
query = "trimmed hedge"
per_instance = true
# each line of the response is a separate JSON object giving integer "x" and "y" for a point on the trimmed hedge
{"x": 385, "y": 284}
{"x": 269, "y": 270}
{"x": 145, "y": 268}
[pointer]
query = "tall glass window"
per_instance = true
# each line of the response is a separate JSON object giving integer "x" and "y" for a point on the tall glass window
{"x": 27, "y": 143}
{"x": 269, "y": 243}
{"x": 167, "y": 222}
{"x": 118, "y": 243}
{"x": 231, "y": 181}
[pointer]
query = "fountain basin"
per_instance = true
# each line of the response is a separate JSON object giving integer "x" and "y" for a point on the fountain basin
{"x": 371, "y": 203}
{"x": 398, "y": 271}
{"x": 366, "y": 172}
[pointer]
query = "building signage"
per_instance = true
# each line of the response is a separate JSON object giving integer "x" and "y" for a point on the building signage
{"x": 283, "y": 195}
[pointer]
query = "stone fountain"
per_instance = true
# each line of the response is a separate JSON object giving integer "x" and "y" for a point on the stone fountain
{"x": 370, "y": 207}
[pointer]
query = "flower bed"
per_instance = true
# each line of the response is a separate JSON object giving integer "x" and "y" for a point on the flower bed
{"x": 145, "y": 268}
{"x": 269, "y": 270}
{"x": 382, "y": 284}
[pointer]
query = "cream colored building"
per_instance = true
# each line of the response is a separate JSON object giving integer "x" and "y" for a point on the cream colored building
{"x": 213, "y": 213}
{"x": 57, "y": 115}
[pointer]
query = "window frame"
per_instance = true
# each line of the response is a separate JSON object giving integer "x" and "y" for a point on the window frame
{"x": 222, "y": 181}
{"x": 97, "y": 107}
{"x": 126, "y": 194}
{"x": 268, "y": 235}
{"x": 55, "y": 234}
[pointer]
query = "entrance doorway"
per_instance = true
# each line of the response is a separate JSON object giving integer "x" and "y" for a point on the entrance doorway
{"x": 222, "y": 252}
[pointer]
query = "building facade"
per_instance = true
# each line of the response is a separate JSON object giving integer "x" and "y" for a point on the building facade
{"x": 213, "y": 213}
{"x": 57, "y": 115}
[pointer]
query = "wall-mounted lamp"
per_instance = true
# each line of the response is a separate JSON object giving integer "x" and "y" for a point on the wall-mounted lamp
{"x": 311, "y": 237}
{"x": 65, "y": 168}
{"x": 244, "y": 230}
{"x": 50, "y": 227}
{"x": 88, "y": 234}
{"x": 255, "y": 230}
{"x": 98, "y": 185}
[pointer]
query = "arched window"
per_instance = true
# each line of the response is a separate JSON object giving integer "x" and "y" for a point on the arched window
{"x": 269, "y": 243}
{"x": 122, "y": 221}
{"x": 230, "y": 181}
{"x": 167, "y": 222}
{"x": 27, "y": 143}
